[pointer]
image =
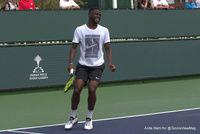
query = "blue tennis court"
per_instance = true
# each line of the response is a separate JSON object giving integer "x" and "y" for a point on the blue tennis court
{"x": 185, "y": 121}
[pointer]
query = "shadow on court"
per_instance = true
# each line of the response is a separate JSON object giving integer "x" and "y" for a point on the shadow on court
{"x": 174, "y": 122}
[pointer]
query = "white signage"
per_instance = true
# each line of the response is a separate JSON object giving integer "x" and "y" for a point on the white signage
{"x": 38, "y": 72}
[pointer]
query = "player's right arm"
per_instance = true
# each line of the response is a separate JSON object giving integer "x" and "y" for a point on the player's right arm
{"x": 72, "y": 55}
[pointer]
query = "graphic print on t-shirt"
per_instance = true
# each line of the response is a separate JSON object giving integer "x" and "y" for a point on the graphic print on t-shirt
{"x": 92, "y": 46}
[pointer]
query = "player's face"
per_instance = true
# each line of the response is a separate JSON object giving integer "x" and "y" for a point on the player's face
{"x": 95, "y": 16}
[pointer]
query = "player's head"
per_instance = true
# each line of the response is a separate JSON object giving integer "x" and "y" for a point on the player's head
{"x": 92, "y": 9}
{"x": 94, "y": 15}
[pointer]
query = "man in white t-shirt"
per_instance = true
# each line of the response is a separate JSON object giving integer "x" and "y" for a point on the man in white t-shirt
{"x": 68, "y": 4}
{"x": 91, "y": 37}
{"x": 160, "y": 4}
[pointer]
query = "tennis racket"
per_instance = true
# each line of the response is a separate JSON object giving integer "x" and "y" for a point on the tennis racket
{"x": 70, "y": 81}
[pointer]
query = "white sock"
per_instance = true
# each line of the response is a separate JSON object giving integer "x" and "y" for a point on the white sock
{"x": 73, "y": 113}
{"x": 90, "y": 113}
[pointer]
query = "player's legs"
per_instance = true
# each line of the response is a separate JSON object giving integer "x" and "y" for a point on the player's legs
{"x": 81, "y": 79}
{"x": 95, "y": 74}
{"x": 78, "y": 86}
{"x": 94, "y": 79}
{"x": 92, "y": 86}
{"x": 79, "y": 83}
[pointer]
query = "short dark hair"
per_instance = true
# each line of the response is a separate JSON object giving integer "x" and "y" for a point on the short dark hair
{"x": 93, "y": 8}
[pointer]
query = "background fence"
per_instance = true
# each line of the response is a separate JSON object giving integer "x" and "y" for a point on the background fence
{"x": 60, "y": 24}
{"x": 46, "y": 65}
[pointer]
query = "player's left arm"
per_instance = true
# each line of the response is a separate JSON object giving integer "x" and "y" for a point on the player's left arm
{"x": 72, "y": 55}
{"x": 109, "y": 56}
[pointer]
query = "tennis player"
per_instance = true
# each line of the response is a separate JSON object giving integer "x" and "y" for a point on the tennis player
{"x": 91, "y": 37}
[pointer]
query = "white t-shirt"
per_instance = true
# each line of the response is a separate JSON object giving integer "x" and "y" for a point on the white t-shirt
{"x": 91, "y": 42}
{"x": 67, "y": 3}
{"x": 12, "y": 7}
{"x": 156, "y": 2}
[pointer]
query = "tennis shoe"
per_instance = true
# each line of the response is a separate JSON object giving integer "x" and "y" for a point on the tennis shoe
{"x": 88, "y": 124}
{"x": 72, "y": 121}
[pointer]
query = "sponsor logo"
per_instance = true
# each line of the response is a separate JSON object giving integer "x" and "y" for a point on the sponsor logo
{"x": 38, "y": 72}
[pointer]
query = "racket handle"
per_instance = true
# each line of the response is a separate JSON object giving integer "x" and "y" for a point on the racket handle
{"x": 71, "y": 71}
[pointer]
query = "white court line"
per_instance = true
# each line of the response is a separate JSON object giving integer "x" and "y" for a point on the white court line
{"x": 182, "y": 110}
{"x": 23, "y": 132}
